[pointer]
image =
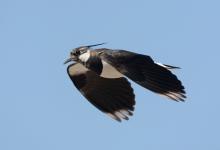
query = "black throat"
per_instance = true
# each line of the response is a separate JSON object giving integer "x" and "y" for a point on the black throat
{"x": 94, "y": 63}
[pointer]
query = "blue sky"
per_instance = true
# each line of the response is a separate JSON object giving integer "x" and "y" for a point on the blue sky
{"x": 40, "y": 109}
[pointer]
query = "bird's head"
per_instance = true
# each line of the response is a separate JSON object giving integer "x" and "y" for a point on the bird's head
{"x": 76, "y": 53}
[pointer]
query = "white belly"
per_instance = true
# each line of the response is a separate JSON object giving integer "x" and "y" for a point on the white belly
{"x": 109, "y": 72}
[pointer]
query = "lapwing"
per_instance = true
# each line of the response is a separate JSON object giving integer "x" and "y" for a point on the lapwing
{"x": 100, "y": 76}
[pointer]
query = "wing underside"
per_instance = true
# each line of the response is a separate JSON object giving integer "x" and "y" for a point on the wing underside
{"x": 114, "y": 97}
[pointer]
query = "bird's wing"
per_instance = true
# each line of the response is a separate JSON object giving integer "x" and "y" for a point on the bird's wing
{"x": 144, "y": 71}
{"x": 114, "y": 97}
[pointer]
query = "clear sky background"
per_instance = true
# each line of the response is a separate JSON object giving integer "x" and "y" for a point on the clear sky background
{"x": 40, "y": 109}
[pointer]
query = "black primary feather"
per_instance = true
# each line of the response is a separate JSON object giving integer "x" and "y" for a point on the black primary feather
{"x": 144, "y": 71}
{"x": 112, "y": 96}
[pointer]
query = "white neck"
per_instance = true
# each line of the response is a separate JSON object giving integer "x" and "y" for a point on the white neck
{"x": 84, "y": 57}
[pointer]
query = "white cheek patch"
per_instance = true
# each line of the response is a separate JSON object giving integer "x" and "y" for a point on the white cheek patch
{"x": 84, "y": 57}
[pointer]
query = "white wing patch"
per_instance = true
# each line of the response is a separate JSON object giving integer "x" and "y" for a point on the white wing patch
{"x": 77, "y": 69}
{"x": 120, "y": 114}
{"x": 177, "y": 96}
{"x": 162, "y": 65}
{"x": 167, "y": 66}
{"x": 109, "y": 71}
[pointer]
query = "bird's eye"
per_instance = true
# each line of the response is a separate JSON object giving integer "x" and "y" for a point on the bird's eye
{"x": 77, "y": 52}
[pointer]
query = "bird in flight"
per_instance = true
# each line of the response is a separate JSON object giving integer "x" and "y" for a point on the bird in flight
{"x": 101, "y": 77}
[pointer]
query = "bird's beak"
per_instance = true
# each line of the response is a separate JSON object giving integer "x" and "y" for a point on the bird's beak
{"x": 72, "y": 58}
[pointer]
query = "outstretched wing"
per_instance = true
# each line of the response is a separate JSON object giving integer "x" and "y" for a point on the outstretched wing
{"x": 144, "y": 71}
{"x": 112, "y": 96}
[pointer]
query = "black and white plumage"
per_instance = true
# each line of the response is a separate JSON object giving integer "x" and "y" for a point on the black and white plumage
{"x": 112, "y": 96}
{"x": 100, "y": 75}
